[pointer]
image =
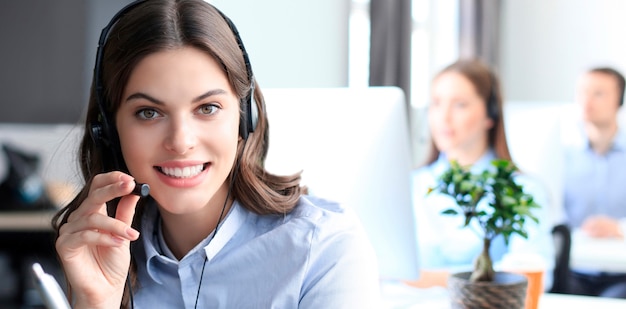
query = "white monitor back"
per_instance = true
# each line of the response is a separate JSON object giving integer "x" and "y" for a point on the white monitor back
{"x": 353, "y": 146}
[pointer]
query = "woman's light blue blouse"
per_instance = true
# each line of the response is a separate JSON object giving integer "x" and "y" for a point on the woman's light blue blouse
{"x": 316, "y": 256}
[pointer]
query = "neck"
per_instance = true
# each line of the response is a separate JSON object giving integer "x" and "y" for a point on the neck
{"x": 601, "y": 136}
{"x": 468, "y": 156}
{"x": 182, "y": 232}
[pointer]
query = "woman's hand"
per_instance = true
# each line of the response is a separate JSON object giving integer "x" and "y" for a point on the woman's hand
{"x": 94, "y": 248}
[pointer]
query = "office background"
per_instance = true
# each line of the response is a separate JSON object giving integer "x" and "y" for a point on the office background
{"x": 48, "y": 49}
{"x": 49, "y": 46}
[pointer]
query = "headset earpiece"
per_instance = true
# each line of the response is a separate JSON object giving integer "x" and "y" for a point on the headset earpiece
{"x": 492, "y": 108}
{"x": 254, "y": 114}
{"x": 250, "y": 114}
{"x": 97, "y": 135}
{"x": 493, "y": 111}
{"x": 105, "y": 139}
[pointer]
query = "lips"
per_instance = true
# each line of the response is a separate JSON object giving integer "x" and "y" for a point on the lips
{"x": 182, "y": 172}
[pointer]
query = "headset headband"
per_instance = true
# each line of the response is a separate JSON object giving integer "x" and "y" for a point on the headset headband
{"x": 103, "y": 131}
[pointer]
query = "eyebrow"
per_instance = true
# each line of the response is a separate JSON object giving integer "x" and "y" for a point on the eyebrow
{"x": 141, "y": 95}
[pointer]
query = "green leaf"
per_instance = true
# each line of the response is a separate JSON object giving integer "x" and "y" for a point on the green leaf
{"x": 481, "y": 213}
{"x": 466, "y": 186}
{"x": 450, "y": 211}
{"x": 508, "y": 200}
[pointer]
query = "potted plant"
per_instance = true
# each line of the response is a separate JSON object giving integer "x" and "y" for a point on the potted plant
{"x": 507, "y": 210}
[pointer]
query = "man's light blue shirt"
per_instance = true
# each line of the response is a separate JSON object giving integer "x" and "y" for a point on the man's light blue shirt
{"x": 594, "y": 184}
{"x": 316, "y": 256}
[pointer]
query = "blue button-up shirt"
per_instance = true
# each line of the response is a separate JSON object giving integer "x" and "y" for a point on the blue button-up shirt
{"x": 594, "y": 184}
{"x": 316, "y": 256}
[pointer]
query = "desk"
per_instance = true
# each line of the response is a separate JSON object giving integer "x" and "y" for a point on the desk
{"x": 597, "y": 254}
{"x": 38, "y": 220}
{"x": 400, "y": 296}
{"x": 25, "y": 237}
{"x": 23, "y": 221}
{"x": 548, "y": 301}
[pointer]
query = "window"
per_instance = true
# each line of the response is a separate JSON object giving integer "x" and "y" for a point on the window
{"x": 434, "y": 45}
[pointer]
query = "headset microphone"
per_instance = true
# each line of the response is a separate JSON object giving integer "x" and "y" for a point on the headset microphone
{"x": 141, "y": 189}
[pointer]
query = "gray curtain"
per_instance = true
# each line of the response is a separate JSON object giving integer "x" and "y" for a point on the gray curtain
{"x": 390, "y": 44}
{"x": 480, "y": 30}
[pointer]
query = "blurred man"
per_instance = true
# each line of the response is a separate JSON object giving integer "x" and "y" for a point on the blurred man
{"x": 595, "y": 175}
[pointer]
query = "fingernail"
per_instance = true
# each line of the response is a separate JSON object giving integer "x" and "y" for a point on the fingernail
{"x": 132, "y": 233}
{"x": 127, "y": 184}
{"x": 126, "y": 178}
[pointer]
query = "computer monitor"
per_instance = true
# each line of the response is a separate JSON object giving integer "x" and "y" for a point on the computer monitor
{"x": 353, "y": 146}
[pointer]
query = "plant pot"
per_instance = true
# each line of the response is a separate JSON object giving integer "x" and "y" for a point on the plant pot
{"x": 507, "y": 291}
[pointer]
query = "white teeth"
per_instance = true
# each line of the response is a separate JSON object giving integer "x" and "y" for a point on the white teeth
{"x": 185, "y": 172}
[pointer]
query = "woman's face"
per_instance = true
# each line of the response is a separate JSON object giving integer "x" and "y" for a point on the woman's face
{"x": 178, "y": 127}
{"x": 457, "y": 115}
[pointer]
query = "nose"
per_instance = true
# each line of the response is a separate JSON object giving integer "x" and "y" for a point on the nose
{"x": 181, "y": 136}
{"x": 445, "y": 114}
{"x": 438, "y": 114}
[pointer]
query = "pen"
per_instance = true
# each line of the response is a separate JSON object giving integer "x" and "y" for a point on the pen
{"x": 49, "y": 289}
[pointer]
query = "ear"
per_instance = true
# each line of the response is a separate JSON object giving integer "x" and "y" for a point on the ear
{"x": 489, "y": 123}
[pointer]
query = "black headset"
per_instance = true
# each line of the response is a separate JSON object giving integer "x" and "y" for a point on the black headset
{"x": 493, "y": 111}
{"x": 103, "y": 131}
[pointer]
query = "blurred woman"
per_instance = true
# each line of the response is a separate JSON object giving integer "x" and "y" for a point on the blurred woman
{"x": 467, "y": 125}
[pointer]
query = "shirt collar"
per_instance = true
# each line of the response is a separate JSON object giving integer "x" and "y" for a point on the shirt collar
{"x": 619, "y": 140}
{"x": 618, "y": 143}
{"x": 231, "y": 224}
{"x": 152, "y": 239}
{"x": 483, "y": 163}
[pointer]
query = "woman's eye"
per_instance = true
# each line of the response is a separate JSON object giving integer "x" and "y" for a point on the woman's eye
{"x": 207, "y": 109}
{"x": 460, "y": 104}
{"x": 147, "y": 113}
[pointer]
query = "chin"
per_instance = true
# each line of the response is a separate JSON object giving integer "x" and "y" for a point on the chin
{"x": 181, "y": 203}
{"x": 444, "y": 146}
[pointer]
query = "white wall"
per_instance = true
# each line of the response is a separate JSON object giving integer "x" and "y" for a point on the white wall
{"x": 293, "y": 43}
{"x": 546, "y": 44}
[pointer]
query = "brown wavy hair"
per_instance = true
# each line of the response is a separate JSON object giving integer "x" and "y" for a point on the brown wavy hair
{"x": 488, "y": 88}
{"x": 158, "y": 25}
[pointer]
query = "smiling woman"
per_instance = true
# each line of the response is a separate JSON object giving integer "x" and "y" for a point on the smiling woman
{"x": 176, "y": 97}
{"x": 174, "y": 105}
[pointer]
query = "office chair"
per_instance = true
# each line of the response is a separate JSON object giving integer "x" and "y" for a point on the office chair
{"x": 563, "y": 243}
